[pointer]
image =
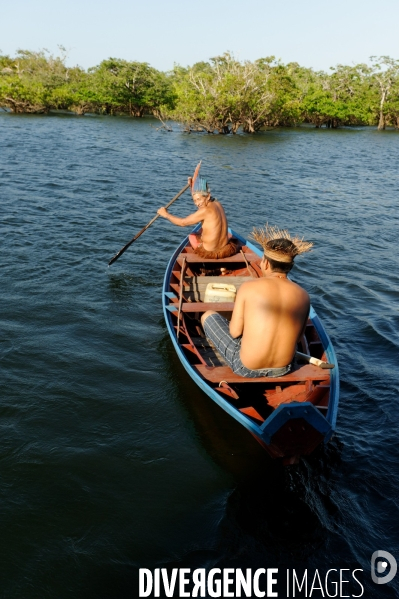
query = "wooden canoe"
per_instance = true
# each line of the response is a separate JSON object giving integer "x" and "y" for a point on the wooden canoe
{"x": 289, "y": 415}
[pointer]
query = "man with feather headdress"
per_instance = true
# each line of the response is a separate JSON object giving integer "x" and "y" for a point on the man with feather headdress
{"x": 270, "y": 313}
{"x": 213, "y": 241}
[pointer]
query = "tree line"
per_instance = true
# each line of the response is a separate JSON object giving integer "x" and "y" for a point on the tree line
{"x": 222, "y": 95}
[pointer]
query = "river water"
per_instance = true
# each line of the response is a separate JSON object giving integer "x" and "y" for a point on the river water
{"x": 111, "y": 458}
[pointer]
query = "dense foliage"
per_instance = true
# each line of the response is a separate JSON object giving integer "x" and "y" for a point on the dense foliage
{"x": 221, "y": 95}
{"x": 38, "y": 82}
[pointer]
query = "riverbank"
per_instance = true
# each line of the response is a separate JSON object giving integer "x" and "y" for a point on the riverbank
{"x": 175, "y": 127}
{"x": 222, "y": 95}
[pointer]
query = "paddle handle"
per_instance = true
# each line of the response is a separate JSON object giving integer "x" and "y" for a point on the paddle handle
{"x": 117, "y": 255}
{"x": 314, "y": 361}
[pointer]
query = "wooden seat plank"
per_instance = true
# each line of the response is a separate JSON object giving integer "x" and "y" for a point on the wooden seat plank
{"x": 194, "y": 258}
{"x": 203, "y": 307}
{"x": 224, "y": 373}
{"x": 203, "y": 280}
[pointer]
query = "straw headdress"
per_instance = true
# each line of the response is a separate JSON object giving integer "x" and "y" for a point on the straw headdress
{"x": 274, "y": 251}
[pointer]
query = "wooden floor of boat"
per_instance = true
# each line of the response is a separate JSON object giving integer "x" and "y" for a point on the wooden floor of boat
{"x": 303, "y": 373}
{"x": 194, "y": 290}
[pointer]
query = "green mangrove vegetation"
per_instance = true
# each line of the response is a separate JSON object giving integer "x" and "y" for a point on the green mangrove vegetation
{"x": 221, "y": 95}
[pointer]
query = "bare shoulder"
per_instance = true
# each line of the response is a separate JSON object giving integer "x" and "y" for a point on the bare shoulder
{"x": 300, "y": 290}
{"x": 299, "y": 295}
{"x": 213, "y": 206}
{"x": 216, "y": 206}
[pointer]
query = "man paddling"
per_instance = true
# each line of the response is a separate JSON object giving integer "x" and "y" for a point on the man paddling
{"x": 270, "y": 313}
{"x": 213, "y": 242}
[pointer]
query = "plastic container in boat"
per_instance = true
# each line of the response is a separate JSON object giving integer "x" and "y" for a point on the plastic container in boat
{"x": 220, "y": 292}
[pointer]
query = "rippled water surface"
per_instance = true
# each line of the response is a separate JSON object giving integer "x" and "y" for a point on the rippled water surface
{"x": 111, "y": 458}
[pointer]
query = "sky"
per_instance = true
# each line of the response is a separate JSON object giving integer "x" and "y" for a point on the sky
{"x": 314, "y": 33}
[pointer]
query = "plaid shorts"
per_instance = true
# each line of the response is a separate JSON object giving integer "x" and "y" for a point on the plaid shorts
{"x": 217, "y": 330}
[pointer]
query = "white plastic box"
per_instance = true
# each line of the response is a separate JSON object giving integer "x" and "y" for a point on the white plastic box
{"x": 220, "y": 292}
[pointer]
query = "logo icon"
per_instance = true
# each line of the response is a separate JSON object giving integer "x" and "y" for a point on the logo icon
{"x": 380, "y": 560}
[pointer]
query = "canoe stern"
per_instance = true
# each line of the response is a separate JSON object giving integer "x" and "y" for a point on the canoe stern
{"x": 294, "y": 429}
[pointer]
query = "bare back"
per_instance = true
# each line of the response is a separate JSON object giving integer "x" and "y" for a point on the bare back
{"x": 271, "y": 314}
{"x": 214, "y": 226}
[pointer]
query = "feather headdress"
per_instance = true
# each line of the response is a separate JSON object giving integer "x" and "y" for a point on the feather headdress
{"x": 199, "y": 184}
{"x": 269, "y": 236}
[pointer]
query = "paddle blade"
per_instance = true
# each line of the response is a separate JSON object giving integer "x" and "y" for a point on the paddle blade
{"x": 114, "y": 259}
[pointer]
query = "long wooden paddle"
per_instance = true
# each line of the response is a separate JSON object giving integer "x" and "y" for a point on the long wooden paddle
{"x": 146, "y": 227}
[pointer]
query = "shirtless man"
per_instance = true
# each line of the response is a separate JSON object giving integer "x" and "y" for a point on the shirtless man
{"x": 213, "y": 242}
{"x": 269, "y": 315}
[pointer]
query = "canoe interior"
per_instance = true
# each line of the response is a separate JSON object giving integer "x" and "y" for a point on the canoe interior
{"x": 249, "y": 400}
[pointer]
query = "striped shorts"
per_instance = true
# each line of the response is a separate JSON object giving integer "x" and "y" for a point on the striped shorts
{"x": 217, "y": 331}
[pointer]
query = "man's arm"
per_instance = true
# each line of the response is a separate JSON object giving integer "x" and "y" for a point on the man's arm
{"x": 191, "y": 219}
{"x": 305, "y": 322}
{"x": 237, "y": 318}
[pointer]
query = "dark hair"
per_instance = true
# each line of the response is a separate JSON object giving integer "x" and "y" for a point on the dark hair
{"x": 281, "y": 244}
{"x": 283, "y": 267}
